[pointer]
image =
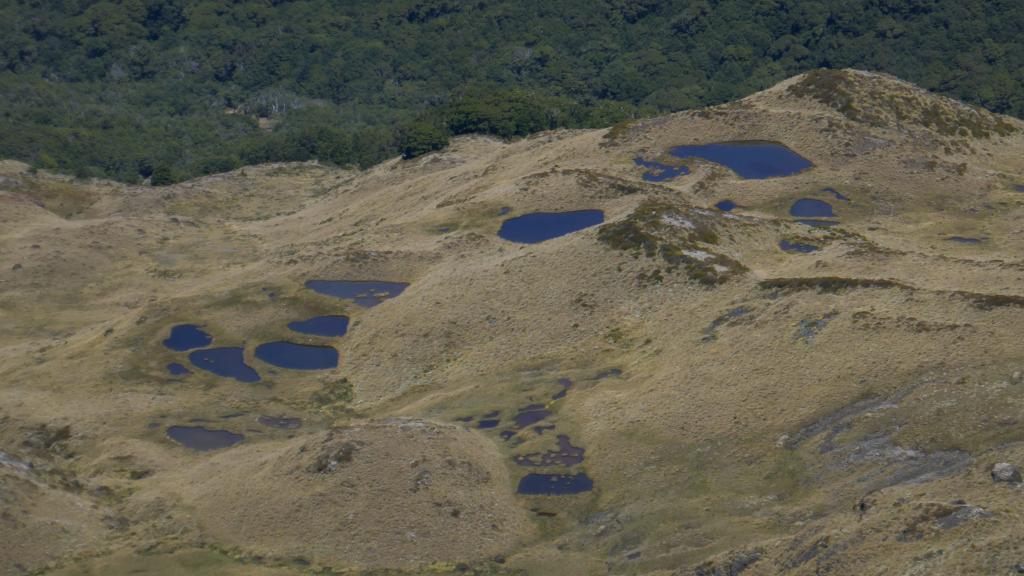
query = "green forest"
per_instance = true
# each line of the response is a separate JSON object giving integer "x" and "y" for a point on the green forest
{"x": 170, "y": 89}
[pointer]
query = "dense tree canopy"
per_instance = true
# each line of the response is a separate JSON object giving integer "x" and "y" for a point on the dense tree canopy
{"x": 131, "y": 89}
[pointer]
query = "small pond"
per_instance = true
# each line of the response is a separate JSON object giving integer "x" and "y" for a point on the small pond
{"x": 203, "y": 439}
{"x": 177, "y": 369}
{"x": 788, "y": 246}
{"x": 965, "y": 239}
{"x": 541, "y": 226}
{"x": 366, "y": 293}
{"x": 297, "y": 356}
{"x": 186, "y": 337}
{"x": 554, "y": 484}
{"x": 751, "y": 160}
{"x": 811, "y": 208}
{"x": 321, "y": 326}
{"x": 565, "y": 383}
{"x": 658, "y": 172}
{"x": 726, "y": 205}
{"x": 227, "y": 362}
{"x": 530, "y": 415}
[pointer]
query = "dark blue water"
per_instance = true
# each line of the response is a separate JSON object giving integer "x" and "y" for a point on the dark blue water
{"x": 186, "y": 337}
{"x": 297, "y": 356}
{"x": 488, "y": 423}
{"x": 965, "y": 240}
{"x": 281, "y": 422}
{"x": 321, "y": 326}
{"x": 177, "y": 369}
{"x": 530, "y": 415}
{"x": 227, "y": 362}
{"x": 565, "y": 383}
{"x": 835, "y": 193}
{"x": 658, "y": 172}
{"x": 366, "y": 293}
{"x": 752, "y": 160}
{"x": 554, "y": 484}
{"x": 811, "y": 208}
{"x": 797, "y": 247}
{"x": 203, "y": 439}
{"x": 726, "y": 205}
{"x": 819, "y": 223}
{"x": 541, "y": 226}
{"x": 1019, "y": 187}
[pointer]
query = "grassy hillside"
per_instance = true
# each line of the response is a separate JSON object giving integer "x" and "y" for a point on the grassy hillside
{"x": 169, "y": 89}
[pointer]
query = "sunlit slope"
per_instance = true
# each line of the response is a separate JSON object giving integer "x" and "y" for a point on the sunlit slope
{"x": 704, "y": 389}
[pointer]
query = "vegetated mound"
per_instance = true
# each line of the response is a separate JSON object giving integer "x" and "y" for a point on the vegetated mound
{"x": 885, "y": 101}
{"x": 394, "y": 493}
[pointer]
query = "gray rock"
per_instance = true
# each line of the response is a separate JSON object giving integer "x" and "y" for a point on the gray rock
{"x": 1006, "y": 472}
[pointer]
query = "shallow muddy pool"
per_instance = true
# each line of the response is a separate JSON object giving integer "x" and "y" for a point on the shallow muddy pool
{"x": 280, "y": 422}
{"x": 366, "y": 293}
{"x": 565, "y": 455}
{"x": 321, "y": 326}
{"x": 203, "y": 439}
{"x": 965, "y": 239}
{"x": 800, "y": 247}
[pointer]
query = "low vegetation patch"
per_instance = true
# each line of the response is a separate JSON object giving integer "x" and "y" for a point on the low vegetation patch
{"x": 682, "y": 238}
{"x": 882, "y": 101}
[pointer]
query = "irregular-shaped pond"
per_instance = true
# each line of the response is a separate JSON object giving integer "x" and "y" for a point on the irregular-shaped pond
{"x": 541, "y": 226}
{"x": 751, "y": 160}
{"x": 366, "y": 293}
{"x": 565, "y": 455}
{"x": 227, "y": 362}
{"x": 186, "y": 337}
{"x": 530, "y": 415}
{"x": 658, "y": 172}
{"x": 297, "y": 356}
{"x": 726, "y": 205}
{"x": 811, "y": 208}
{"x": 321, "y": 326}
{"x": 203, "y": 439}
{"x": 554, "y": 484}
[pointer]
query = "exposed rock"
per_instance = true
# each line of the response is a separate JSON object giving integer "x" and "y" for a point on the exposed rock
{"x": 1006, "y": 472}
